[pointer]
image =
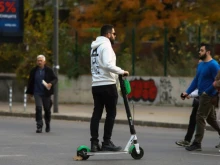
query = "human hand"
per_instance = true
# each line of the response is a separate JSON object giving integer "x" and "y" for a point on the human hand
{"x": 216, "y": 85}
{"x": 49, "y": 85}
{"x": 188, "y": 96}
{"x": 126, "y": 73}
{"x": 29, "y": 96}
{"x": 184, "y": 95}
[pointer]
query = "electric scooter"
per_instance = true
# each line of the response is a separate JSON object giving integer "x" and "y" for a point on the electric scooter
{"x": 132, "y": 147}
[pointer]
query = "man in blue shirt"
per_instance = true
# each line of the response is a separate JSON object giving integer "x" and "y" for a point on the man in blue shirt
{"x": 203, "y": 81}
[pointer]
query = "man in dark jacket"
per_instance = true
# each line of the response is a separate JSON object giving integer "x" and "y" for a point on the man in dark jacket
{"x": 41, "y": 80}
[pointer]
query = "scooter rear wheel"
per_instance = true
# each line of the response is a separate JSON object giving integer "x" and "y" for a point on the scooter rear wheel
{"x": 135, "y": 155}
{"x": 82, "y": 152}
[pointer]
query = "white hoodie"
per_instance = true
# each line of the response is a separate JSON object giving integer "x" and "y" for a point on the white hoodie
{"x": 103, "y": 63}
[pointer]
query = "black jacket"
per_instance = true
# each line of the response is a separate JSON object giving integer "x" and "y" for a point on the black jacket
{"x": 49, "y": 77}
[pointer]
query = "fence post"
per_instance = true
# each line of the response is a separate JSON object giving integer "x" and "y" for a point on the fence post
{"x": 199, "y": 36}
{"x": 25, "y": 98}
{"x": 10, "y": 98}
{"x": 76, "y": 47}
{"x": 165, "y": 51}
{"x": 133, "y": 52}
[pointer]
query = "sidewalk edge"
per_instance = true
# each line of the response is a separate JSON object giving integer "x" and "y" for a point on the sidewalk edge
{"x": 117, "y": 121}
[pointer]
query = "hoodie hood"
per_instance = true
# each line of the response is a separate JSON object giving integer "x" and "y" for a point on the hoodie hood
{"x": 100, "y": 40}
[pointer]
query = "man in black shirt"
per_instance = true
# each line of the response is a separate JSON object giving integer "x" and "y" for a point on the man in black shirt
{"x": 40, "y": 85}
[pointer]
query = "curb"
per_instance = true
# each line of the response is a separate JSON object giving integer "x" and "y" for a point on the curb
{"x": 117, "y": 121}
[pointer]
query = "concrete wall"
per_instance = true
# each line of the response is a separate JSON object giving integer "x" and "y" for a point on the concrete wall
{"x": 145, "y": 90}
{"x": 75, "y": 91}
{"x": 7, "y": 81}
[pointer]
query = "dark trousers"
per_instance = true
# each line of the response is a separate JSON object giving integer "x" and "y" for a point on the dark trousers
{"x": 103, "y": 96}
{"x": 206, "y": 112}
{"x": 46, "y": 102}
{"x": 192, "y": 120}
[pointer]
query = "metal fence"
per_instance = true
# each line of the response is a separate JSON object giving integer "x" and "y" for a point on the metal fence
{"x": 144, "y": 52}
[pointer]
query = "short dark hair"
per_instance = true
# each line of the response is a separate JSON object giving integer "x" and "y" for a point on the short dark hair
{"x": 106, "y": 29}
{"x": 207, "y": 46}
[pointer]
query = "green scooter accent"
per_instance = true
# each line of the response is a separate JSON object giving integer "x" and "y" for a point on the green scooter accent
{"x": 127, "y": 86}
{"x": 83, "y": 147}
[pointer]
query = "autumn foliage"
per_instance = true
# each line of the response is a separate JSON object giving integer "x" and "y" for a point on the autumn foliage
{"x": 139, "y": 24}
{"x": 189, "y": 22}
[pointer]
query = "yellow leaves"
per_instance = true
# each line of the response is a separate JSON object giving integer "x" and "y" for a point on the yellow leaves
{"x": 152, "y": 15}
{"x": 168, "y": 1}
{"x": 130, "y": 4}
{"x": 155, "y": 4}
{"x": 149, "y": 19}
{"x": 174, "y": 20}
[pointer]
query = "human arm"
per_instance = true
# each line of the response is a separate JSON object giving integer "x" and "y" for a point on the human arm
{"x": 192, "y": 86}
{"x": 108, "y": 59}
{"x": 190, "y": 89}
{"x": 53, "y": 79}
{"x": 216, "y": 83}
{"x": 214, "y": 68}
{"x": 50, "y": 78}
{"x": 30, "y": 84}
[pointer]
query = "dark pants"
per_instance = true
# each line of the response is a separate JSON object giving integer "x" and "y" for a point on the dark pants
{"x": 103, "y": 96}
{"x": 206, "y": 112}
{"x": 192, "y": 120}
{"x": 46, "y": 102}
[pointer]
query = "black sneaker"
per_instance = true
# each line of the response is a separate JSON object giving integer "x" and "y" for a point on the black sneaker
{"x": 109, "y": 146}
{"x": 194, "y": 147}
{"x": 95, "y": 147}
{"x": 47, "y": 129}
{"x": 39, "y": 130}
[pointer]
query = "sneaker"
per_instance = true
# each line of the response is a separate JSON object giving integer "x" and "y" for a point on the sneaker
{"x": 109, "y": 146}
{"x": 194, "y": 147}
{"x": 95, "y": 146}
{"x": 39, "y": 130}
{"x": 183, "y": 143}
{"x": 217, "y": 146}
{"x": 47, "y": 129}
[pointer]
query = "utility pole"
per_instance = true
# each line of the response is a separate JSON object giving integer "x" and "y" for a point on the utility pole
{"x": 56, "y": 52}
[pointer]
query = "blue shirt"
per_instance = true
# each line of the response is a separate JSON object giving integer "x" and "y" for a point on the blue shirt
{"x": 38, "y": 85}
{"x": 205, "y": 76}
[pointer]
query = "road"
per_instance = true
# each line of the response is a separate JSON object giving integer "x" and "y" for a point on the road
{"x": 20, "y": 145}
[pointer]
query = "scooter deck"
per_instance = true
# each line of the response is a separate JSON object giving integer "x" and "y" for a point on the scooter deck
{"x": 106, "y": 153}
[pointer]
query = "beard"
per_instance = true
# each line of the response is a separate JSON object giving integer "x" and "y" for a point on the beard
{"x": 112, "y": 41}
{"x": 203, "y": 57}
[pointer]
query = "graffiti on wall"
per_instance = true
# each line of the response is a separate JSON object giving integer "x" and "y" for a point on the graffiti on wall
{"x": 182, "y": 82}
{"x": 145, "y": 90}
{"x": 165, "y": 91}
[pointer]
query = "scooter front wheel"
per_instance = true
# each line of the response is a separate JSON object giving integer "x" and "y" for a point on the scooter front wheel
{"x": 135, "y": 155}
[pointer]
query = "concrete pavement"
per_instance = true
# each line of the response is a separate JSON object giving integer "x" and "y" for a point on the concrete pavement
{"x": 144, "y": 115}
